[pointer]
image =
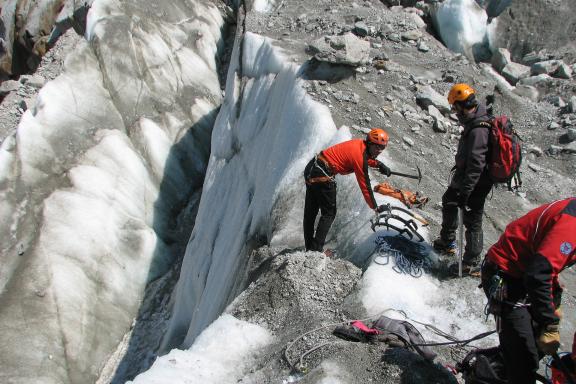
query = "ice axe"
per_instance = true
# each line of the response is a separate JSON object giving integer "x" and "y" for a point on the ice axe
{"x": 417, "y": 177}
{"x": 460, "y": 240}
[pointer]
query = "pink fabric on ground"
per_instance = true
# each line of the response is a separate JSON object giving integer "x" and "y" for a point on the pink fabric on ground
{"x": 364, "y": 328}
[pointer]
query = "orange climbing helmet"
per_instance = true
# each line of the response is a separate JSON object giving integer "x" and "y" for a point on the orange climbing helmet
{"x": 377, "y": 136}
{"x": 460, "y": 92}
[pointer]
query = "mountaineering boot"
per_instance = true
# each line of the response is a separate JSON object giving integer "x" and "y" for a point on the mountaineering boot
{"x": 443, "y": 246}
{"x": 329, "y": 252}
{"x": 468, "y": 269}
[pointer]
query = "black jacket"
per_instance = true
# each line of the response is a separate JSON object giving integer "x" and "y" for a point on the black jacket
{"x": 472, "y": 153}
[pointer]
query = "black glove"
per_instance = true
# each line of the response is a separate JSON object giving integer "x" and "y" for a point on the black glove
{"x": 462, "y": 200}
{"x": 384, "y": 169}
{"x": 381, "y": 208}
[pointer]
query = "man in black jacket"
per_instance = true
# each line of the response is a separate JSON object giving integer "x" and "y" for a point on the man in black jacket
{"x": 470, "y": 182}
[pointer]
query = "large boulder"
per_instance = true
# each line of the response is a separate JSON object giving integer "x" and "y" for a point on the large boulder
{"x": 548, "y": 67}
{"x": 500, "y": 58}
{"x": 513, "y": 72}
{"x": 347, "y": 49}
{"x": 426, "y": 96}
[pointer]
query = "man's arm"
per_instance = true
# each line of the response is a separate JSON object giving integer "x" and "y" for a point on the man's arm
{"x": 363, "y": 179}
{"x": 477, "y": 141}
{"x": 554, "y": 253}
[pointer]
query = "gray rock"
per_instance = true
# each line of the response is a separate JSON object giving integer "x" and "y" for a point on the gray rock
{"x": 534, "y": 57}
{"x": 527, "y": 91}
{"x": 346, "y": 49}
{"x": 571, "y": 135}
{"x": 35, "y": 81}
{"x": 554, "y": 150}
{"x": 413, "y": 34}
{"x": 570, "y": 148}
{"x": 395, "y": 37}
{"x": 572, "y": 105}
{"x": 9, "y": 86}
{"x": 536, "y": 150}
{"x": 514, "y": 72}
{"x": 417, "y": 20}
{"x": 548, "y": 67}
{"x": 361, "y": 29}
{"x": 440, "y": 124}
{"x": 534, "y": 80}
{"x": 408, "y": 141}
{"x": 553, "y": 125}
{"x": 426, "y": 96}
{"x": 391, "y": 66}
{"x": 500, "y": 59}
{"x": 534, "y": 167}
{"x": 423, "y": 47}
{"x": 557, "y": 101}
{"x": 563, "y": 71}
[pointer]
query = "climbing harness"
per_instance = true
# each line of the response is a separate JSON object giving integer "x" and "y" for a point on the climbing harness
{"x": 321, "y": 164}
{"x": 410, "y": 258}
{"x": 496, "y": 291}
{"x": 388, "y": 218}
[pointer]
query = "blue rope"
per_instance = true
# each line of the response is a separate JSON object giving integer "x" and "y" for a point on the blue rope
{"x": 409, "y": 258}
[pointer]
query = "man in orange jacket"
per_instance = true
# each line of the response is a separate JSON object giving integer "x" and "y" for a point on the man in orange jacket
{"x": 520, "y": 277}
{"x": 350, "y": 156}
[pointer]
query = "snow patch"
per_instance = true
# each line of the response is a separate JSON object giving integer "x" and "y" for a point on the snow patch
{"x": 425, "y": 299}
{"x": 208, "y": 361}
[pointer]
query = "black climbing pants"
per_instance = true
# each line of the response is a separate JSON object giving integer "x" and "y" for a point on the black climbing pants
{"x": 517, "y": 334}
{"x": 320, "y": 197}
{"x": 472, "y": 218}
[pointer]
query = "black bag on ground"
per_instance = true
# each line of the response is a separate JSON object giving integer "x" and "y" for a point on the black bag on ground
{"x": 483, "y": 366}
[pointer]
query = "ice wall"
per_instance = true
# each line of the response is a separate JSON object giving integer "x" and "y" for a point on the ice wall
{"x": 266, "y": 131}
{"x": 463, "y": 27}
{"x": 93, "y": 184}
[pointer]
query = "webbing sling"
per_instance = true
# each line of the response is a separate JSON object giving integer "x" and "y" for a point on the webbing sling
{"x": 320, "y": 179}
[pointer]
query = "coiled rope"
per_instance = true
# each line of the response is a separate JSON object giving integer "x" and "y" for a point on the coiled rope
{"x": 410, "y": 258}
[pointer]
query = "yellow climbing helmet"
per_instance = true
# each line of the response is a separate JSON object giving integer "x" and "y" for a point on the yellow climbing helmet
{"x": 460, "y": 92}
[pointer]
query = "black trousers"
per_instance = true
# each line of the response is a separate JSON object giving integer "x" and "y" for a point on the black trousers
{"x": 472, "y": 218}
{"x": 517, "y": 333}
{"x": 320, "y": 197}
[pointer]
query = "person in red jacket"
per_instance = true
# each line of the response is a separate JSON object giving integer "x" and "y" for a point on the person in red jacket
{"x": 520, "y": 279}
{"x": 341, "y": 159}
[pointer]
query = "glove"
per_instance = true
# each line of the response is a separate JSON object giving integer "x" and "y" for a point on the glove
{"x": 381, "y": 208}
{"x": 558, "y": 312}
{"x": 384, "y": 169}
{"x": 462, "y": 200}
{"x": 549, "y": 339}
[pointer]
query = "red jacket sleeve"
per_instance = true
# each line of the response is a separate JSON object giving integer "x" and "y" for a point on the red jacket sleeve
{"x": 363, "y": 179}
{"x": 554, "y": 253}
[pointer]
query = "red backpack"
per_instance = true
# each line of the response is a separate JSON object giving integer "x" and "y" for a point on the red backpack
{"x": 505, "y": 154}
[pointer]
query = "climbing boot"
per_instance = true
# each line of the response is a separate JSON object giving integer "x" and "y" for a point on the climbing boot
{"x": 446, "y": 247}
{"x": 329, "y": 253}
{"x": 472, "y": 270}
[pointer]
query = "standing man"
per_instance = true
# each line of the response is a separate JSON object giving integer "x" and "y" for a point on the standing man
{"x": 350, "y": 156}
{"x": 471, "y": 181}
{"x": 520, "y": 278}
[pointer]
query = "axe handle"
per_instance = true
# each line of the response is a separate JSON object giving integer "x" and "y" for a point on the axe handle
{"x": 405, "y": 175}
